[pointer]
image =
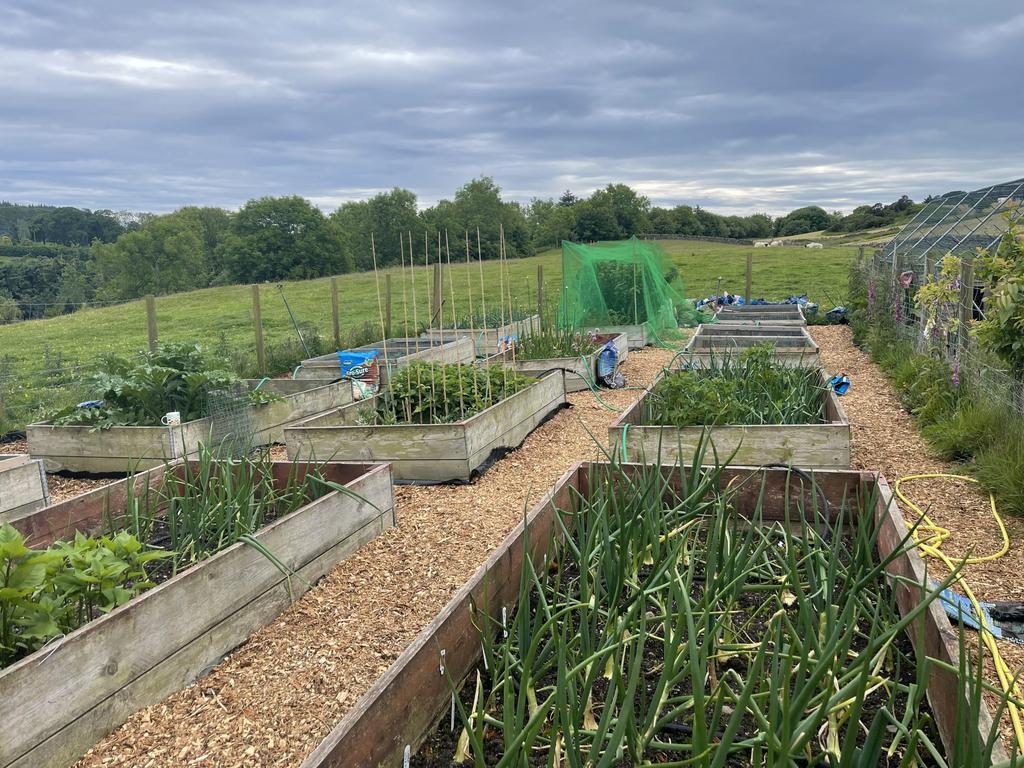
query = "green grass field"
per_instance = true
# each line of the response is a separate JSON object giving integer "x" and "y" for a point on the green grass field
{"x": 41, "y": 359}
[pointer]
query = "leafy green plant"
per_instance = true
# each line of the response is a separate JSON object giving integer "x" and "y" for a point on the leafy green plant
{"x": 48, "y": 593}
{"x": 438, "y": 393}
{"x": 1002, "y": 272}
{"x": 938, "y": 299}
{"x": 749, "y": 388}
{"x": 555, "y": 342}
{"x": 139, "y": 391}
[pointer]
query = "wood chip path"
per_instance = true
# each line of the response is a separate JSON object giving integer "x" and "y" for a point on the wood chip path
{"x": 272, "y": 700}
{"x": 886, "y": 438}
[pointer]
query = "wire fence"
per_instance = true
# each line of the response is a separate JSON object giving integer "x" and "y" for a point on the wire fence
{"x": 956, "y": 225}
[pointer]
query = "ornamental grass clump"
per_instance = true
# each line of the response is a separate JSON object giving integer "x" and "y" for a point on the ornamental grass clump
{"x": 441, "y": 393}
{"x": 749, "y": 388}
{"x": 663, "y": 627}
{"x": 552, "y": 343}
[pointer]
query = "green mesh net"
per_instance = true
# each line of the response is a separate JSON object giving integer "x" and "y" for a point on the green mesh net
{"x": 626, "y": 282}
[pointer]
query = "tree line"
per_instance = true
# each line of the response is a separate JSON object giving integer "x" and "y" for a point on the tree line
{"x": 53, "y": 260}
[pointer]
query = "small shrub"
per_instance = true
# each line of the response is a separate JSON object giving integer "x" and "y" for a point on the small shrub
{"x": 138, "y": 391}
{"x": 1000, "y": 467}
{"x": 966, "y": 432}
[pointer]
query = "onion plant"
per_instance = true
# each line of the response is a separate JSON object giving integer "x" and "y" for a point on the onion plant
{"x": 555, "y": 342}
{"x": 663, "y": 627}
{"x": 749, "y": 388}
{"x": 214, "y": 503}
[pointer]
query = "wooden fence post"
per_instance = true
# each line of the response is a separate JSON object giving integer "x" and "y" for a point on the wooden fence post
{"x": 540, "y": 293}
{"x": 334, "y": 313}
{"x": 750, "y": 275}
{"x": 966, "y": 305}
{"x": 436, "y": 299}
{"x": 257, "y": 321}
{"x": 151, "y": 322}
{"x": 387, "y": 305}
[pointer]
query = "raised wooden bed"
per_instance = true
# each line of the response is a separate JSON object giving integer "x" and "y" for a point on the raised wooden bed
{"x": 793, "y": 344}
{"x": 786, "y": 314}
{"x": 427, "y": 452}
{"x": 825, "y": 445}
{"x": 23, "y": 486}
{"x": 59, "y": 701}
{"x": 401, "y": 709}
{"x": 637, "y": 336}
{"x": 580, "y": 373}
{"x": 126, "y": 449}
{"x": 487, "y": 340}
{"x": 394, "y": 353}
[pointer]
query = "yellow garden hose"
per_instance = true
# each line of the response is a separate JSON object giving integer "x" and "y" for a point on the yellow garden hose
{"x": 930, "y": 543}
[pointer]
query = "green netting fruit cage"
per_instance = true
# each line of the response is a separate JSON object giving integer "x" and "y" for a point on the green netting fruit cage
{"x": 625, "y": 282}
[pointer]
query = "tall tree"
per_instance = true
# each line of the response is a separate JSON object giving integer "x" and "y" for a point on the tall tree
{"x": 276, "y": 238}
{"x": 388, "y": 216}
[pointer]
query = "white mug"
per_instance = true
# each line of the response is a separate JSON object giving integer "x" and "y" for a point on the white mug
{"x": 171, "y": 419}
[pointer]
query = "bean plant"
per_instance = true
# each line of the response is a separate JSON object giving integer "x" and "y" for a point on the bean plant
{"x": 748, "y": 388}
{"x": 439, "y": 393}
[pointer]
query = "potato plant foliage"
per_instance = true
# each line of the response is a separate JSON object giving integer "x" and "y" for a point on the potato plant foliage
{"x": 50, "y": 592}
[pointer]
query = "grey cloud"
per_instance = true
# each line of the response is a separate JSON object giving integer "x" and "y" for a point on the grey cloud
{"x": 737, "y": 106}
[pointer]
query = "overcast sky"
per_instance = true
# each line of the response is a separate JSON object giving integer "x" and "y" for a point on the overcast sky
{"x": 736, "y": 106}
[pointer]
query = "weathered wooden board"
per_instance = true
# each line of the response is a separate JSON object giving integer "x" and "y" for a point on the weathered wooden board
{"x": 129, "y": 449}
{"x": 139, "y": 653}
{"x": 790, "y": 349}
{"x": 637, "y": 336}
{"x": 488, "y": 341}
{"x": 401, "y": 709}
{"x": 788, "y": 313}
{"x": 825, "y": 445}
{"x": 23, "y": 486}
{"x": 427, "y": 452}
{"x": 751, "y": 329}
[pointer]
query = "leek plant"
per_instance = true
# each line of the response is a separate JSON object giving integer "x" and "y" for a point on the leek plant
{"x": 748, "y": 388}
{"x": 663, "y": 627}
